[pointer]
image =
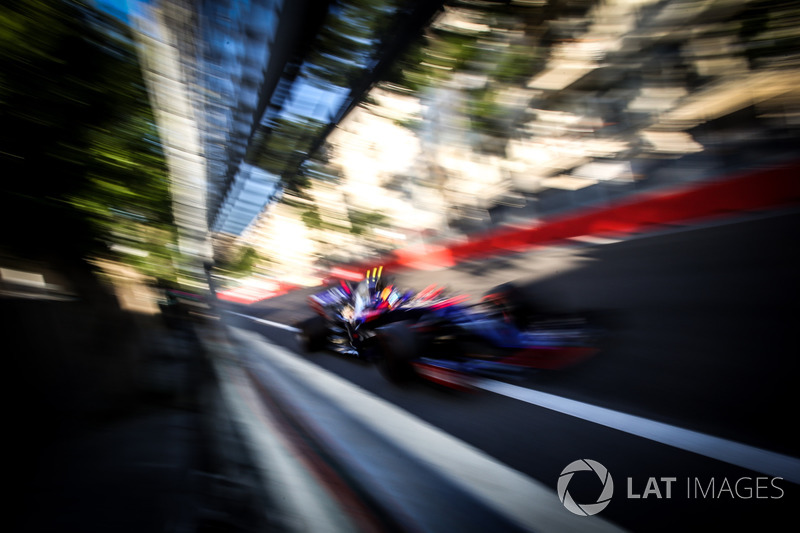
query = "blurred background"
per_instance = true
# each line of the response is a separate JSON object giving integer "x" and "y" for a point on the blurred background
{"x": 156, "y": 154}
{"x": 276, "y": 140}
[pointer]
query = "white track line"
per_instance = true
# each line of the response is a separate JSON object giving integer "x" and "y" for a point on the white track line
{"x": 267, "y": 322}
{"x": 735, "y": 453}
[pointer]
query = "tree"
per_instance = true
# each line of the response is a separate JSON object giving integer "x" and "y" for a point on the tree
{"x": 83, "y": 166}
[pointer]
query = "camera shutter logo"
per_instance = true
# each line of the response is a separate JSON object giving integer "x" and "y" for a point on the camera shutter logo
{"x": 585, "y": 509}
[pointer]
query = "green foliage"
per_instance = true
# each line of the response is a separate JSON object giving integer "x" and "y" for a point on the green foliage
{"x": 83, "y": 166}
{"x": 517, "y": 63}
{"x": 311, "y": 218}
{"x": 483, "y": 111}
{"x": 349, "y": 40}
{"x": 283, "y": 148}
{"x": 433, "y": 59}
{"x": 362, "y": 221}
{"x": 242, "y": 263}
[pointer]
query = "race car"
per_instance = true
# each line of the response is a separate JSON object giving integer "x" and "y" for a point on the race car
{"x": 441, "y": 337}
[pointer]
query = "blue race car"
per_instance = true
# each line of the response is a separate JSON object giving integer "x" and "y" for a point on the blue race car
{"x": 440, "y": 337}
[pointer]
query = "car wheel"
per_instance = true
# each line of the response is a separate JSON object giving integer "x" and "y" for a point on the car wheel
{"x": 399, "y": 346}
{"x": 518, "y": 304}
{"x": 312, "y": 334}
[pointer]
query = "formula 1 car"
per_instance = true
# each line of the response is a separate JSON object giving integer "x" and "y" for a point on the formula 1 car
{"x": 440, "y": 337}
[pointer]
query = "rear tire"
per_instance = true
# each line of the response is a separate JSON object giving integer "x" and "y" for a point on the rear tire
{"x": 399, "y": 345}
{"x": 509, "y": 301}
{"x": 519, "y": 304}
{"x": 312, "y": 334}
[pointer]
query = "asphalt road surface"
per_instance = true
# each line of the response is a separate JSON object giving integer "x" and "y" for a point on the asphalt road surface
{"x": 691, "y": 405}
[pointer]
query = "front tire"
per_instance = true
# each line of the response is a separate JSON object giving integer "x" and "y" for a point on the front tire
{"x": 399, "y": 345}
{"x": 312, "y": 334}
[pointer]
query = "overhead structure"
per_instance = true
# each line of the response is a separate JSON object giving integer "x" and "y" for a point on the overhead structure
{"x": 238, "y": 67}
